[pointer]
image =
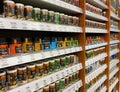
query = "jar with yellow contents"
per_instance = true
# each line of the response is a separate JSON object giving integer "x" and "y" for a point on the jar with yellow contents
{"x": 38, "y": 44}
{"x": 66, "y": 42}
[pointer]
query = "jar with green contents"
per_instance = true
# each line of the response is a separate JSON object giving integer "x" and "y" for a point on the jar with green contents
{"x": 57, "y": 86}
{"x": 62, "y": 83}
{"x": 36, "y": 14}
{"x": 73, "y": 42}
{"x": 52, "y": 65}
{"x": 39, "y": 70}
{"x": 67, "y": 60}
{"x": 46, "y": 67}
{"x": 57, "y": 64}
{"x": 72, "y": 59}
{"x": 70, "y": 20}
{"x": 62, "y": 62}
{"x": 66, "y": 19}
{"x": 75, "y": 21}
{"x": 57, "y": 16}
{"x": 51, "y": 15}
{"x": 52, "y": 87}
{"x": 62, "y": 18}
{"x": 44, "y": 15}
{"x": 73, "y": 77}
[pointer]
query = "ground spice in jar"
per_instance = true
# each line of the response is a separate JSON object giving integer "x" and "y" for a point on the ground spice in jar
{"x": 12, "y": 78}
{"x": 62, "y": 83}
{"x": 52, "y": 65}
{"x": 19, "y": 10}
{"x": 57, "y": 86}
{"x": 39, "y": 69}
{"x": 44, "y": 15}
{"x": 38, "y": 44}
{"x": 9, "y": 8}
{"x": 62, "y": 62}
{"x": 62, "y": 18}
{"x": 57, "y": 64}
{"x": 31, "y": 72}
{"x": 57, "y": 16}
{"x": 51, "y": 15}
{"x": 36, "y": 14}
{"x": 46, "y": 67}
{"x": 22, "y": 74}
{"x": 72, "y": 59}
{"x": 2, "y": 81}
{"x": 46, "y": 89}
{"x": 28, "y": 12}
{"x": 52, "y": 87}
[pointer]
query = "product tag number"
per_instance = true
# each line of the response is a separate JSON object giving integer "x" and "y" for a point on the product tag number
{"x": 19, "y": 59}
{"x": 1, "y": 24}
{"x": 4, "y": 62}
{"x": 57, "y": 76}
{"x": 37, "y": 86}
{"x": 63, "y": 75}
{"x": 24, "y": 25}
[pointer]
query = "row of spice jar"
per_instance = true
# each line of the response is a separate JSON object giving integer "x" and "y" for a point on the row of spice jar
{"x": 94, "y": 52}
{"x": 114, "y": 36}
{"x": 94, "y": 24}
{"x": 100, "y": 88}
{"x": 20, "y": 11}
{"x": 73, "y": 2}
{"x": 60, "y": 85}
{"x": 94, "y": 66}
{"x": 93, "y": 81}
{"x": 15, "y": 45}
{"x": 91, "y": 40}
{"x": 112, "y": 47}
{"x": 22, "y": 74}
{"x": 95, "y": 10}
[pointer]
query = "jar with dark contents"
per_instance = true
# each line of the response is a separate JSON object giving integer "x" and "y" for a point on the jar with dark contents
{"x": 62, "y": 83}
{"x": 9, "y": 8}
{"x": 36, "y": 14}
{"x": 70, "y": 79}
{"x": 2, "y": 81}
{"x": 39, "y": 70}
{"x": 67, "y": 42}
{"x": 40, "y": 90}
{"x": 44, "y": 15}
{"x": 12, "y": 78}
{"x": 72, "y": 59}
{"x": 52, "y": 87}
{"x": 52, "y": 65}
{"x": 22, "y": 74}
{"x": 57, "y": 16}
{"x": 19, "y": 10}
{"x": 3, "y": 47}
{"x": 62, "y": 18}
{"x": 28, "y": 12}
{"x": 62, "y": 62}
{"x": 46, "y": 67}
{"x": 31, "y": 72}
{"x": 46, "y": 89}
{"x": 66, "y": 81}
{"x": 57, "y": 86}
{"x": 75, "y": 21}
{"x": 60, "y": 42}
{"x": 57, "y": 64}
{"x": 66, "y": 19}
{"x": 51, "y": 15}
{"x": 67, "y": 60}
{"x": 77, "y": 75}
{"x": 76, "y": 3}
{"x": 70, "y": 20}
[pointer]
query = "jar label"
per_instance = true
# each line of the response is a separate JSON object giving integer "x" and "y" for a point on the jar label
{"x": 18, "y": 49}
{"x": 3, "y": 51}
{"x": 2, "y": 83}
{"x": 12, "y": 79}
{"x": 41, "y": 71}
{"x": 29, "y": 47}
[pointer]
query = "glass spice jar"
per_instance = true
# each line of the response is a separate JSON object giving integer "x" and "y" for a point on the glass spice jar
{"x": 46, "y": 89}
{"x": 12, "y": 78}
{"x": 57, "y": 64}
{"x": 72, "y": 59}
{"x": 67, "y": 60}
{"x": 31, "y": 72}
{"x": 28, "y": 12}
{"x": 62, "y": 18}
{"x": 62, "y": 62}
{"x": 51, "y": 15}
{"x": 57, "y": 16}
{"x": 60, "y": 42}
{"x": 66, "y": 42}
{"x": 36, "y": 14}
{"x": 52, "y": 87}
{"x": 38, "y": 44}
{"x": 66, "y": 81}
{"x": 52, "y": 65}
{"x": 75, "y": 21}
{"x": 62, "y": 83}
{"x": 40, "y": 90}
{"x": 39, "y": 69}
{"x": 44, "y": 15}
{"x": 57, "y": 86}
{"x": 9, "y": 8}
{"x": 70, "y": 78}
{"x": 70, "y": 20}
{"x": 46, "y": 67}
{"x": 2, "y": 81}
{"x": 66, "y": 19}
{"x": 22, "y": 74}
{"x": 19, "y": 10}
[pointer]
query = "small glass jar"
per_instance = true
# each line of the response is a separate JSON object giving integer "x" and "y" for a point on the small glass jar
{"x": 62, "y": 62}
{"x": 9, "y": 8}
{"x": 66, "y": 19}
{"x": 57, "y": 86}
{"x": 38, "y": 44}
{"x": 19, "y": 10}
{"x": 75, "y": 21}
{"x": 39, "y": 70}
{"x": 62, "y": 18}
{"x": 51, "y": 16}
{"x": 70, "y": 79}
{"x": 36, "y": 14}
{"x": 60, "y": 42}
{"x": 12, "y": 78}
{"x": 46, "y": 89}
{"x": 44, "y": 15}
{"x": 62, "y": 83}
{"x": 52, "y": 65}
{"x": 46, "y": 67}
{"x": 67, "y": 60}
{"x": 66, "y": 81}
{"x": 31, "y": 72}
{"x": 22, "y": 74}
{"x": 57, "y": 64}
{"x": 52, "y": 87}
{"x": 57, "y": 16}
{"x": 28, "y": 12}
{"x": 70, "y": 20}
{"x": 72, "y": 59}
{"x": 66, "y": 42}
{"x": 2, "y": 81}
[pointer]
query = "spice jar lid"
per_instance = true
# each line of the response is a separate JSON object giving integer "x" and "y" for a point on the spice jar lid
{"x": 37, "y": 9}
{"x": 46, "y": 88}
{"x": 46, "y": 62}
{"x": 51, "y": 11}
{"x": 2, "y": 73}
{"x": 45, "y": 10}
{"x": 9, "y": 2}
{"x": 28, "y": 6}
{"x": 3, "y": 41}
{"x": 19, "y": 4}
{"x": 22, "y": 68}
{"x": 62, "y": 14}
{"x": 31, "y": 66}
{"x": 57, "y": 13}
{"x": 39, "y": 64}
{"x": 51, "y": 61}
{"x": 12, "y": 70}
{"x": 52, "y": 85}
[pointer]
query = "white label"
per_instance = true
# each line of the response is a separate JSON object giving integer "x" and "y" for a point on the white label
{"x": 13, "y": 25}
{"x": 44, "y": 82}
{"x": 32, "y": 57}
{"x": 28, "y": 89}
{"x": 4, "y": 62}
{"x": 19, "y": 59}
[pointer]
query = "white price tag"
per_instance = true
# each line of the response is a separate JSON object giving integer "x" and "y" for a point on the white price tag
{"x": 32, "y": 57}
{"x": 63, "y": 75}
{"x": 71, "y": 70}
{"x": 44, "y": 82}
{"x": 1, "y": 24}
{"x": 13, "y": 25}
{"x": 24, "y": 25}
{"x": 51, "y": 79}
{"x": 67, "y": 72}
{"x": 36, "y": 85}
{"x": 28, "y": 89}
{"x": 4, "y": 62}
{"x": 19, "y": 59}
{"x": 57, "y": 76}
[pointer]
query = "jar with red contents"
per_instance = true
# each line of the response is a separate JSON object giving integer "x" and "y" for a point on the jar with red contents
{"x": 3, "y": 47}
{"x": 15, "y": 46}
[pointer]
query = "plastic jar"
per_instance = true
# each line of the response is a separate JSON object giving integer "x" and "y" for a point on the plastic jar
{"x": 52, "y": 65}
{"x": 36, "y": 14}
{"x": 28, "y": 12}
{"x": 52, "y": 87}
{"x": 60, "y": 42}
{"x": 62, "y": 18}
{"x": 51, "y": 16}
{"x": 39, "y": 69}
{"x": 46, "y": 89}
{"x": 75, "y": 21}
{"x": 57, "y": 64}
{"x": 2, "y": 81}
{"x": 66, "y": 19}
{"x": 70, "y": 20}
{"x": 9, "y": 8}
{"x": 19, "y": 12}
{"x": 38, "y": 44}
{"x": 66, "y": 81}
{"x": 12, "y": 78}
{"x": 46, "y": 67}
{"x": 44, "y": 15}
{"x": 57, "y": 16}
{"x": 31, "y": 72}
{"x": 57, "y": 86}
{"x": 22, "y": 74}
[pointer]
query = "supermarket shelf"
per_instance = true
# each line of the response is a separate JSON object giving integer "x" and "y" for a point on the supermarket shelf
{"x": 113, "y": 52}
{"x": 97, "y": 3}
{"x": 114, "y": 16}
{"x": 113, "y": 63}
{"x": 114, "y": 41}
{"x": 29, "y": 57}
{"x": 95, "y": 30}
{"x": 95, "y": 45}
{"x": 113, "y": 85}
{"x": 73, "y": 87}
{"x": 97, "y": 84}
{"x": 95, "y": 59}
{"x": 113, "y": 72}
{"x": 104, "y": 89}
{"x": 95, "y": 73}
{"x": 44, "y": 81}
{"x": 56, "y": 5}
{"x": 6, "y": 23}
{"x": 114, "y": 30}
{"x": 94, "y": 16}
